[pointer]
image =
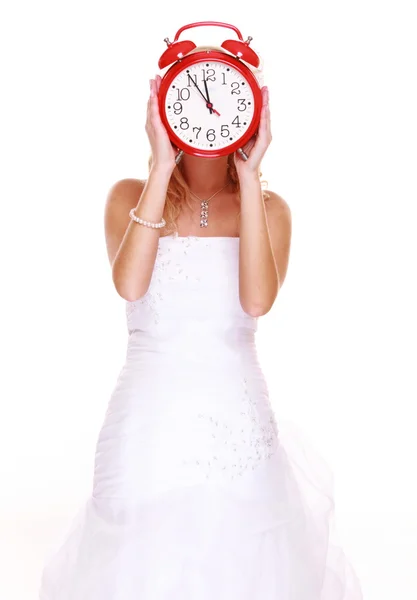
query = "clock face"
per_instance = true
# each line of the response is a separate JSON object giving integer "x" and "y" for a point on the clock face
{"x": 209, "y": 105}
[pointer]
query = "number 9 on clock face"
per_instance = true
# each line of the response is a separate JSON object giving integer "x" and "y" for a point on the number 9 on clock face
{"x": 210, "y": 104}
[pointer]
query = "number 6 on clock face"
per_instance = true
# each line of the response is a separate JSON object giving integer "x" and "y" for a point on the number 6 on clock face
{"x": 210, "y": 103}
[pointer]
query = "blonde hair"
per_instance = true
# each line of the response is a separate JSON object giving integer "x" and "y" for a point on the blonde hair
{"x": 178, "y": 192}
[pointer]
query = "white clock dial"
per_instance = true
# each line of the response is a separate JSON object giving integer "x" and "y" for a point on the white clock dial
{"x": 209, "y": 127}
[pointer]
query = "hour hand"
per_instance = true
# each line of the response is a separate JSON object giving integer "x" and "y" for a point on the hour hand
{"x": 209, "y": 104}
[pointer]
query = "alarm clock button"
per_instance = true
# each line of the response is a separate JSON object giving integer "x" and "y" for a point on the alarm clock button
{"x": 174, "y": 52}
{"x": 242, "y": 50}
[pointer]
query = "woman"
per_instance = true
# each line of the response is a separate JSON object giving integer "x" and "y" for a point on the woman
{"x": 194, "y": 496}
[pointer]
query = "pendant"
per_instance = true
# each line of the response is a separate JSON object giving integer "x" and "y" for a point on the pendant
{"x": 204, "y": 214}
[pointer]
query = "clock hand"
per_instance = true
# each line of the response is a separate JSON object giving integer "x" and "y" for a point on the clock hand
{"x": 200, "y": 91}
{"x": 209, "y": 104}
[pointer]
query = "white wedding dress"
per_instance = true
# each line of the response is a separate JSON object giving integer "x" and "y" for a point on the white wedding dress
{"x": 196, "y": 494}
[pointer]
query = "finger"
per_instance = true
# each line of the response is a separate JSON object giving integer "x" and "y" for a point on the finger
{"x": 255, "y": 148}
{"x": 249, "y": 145}
{"x": 154, "y": 114}
{"x": 152, "y": 95}
{"x": 158, "y": 80}
{"x": 148, "y": 106}
{"x": 260, "y": 142}
{"x": 264, "y": 123}
{"x": 265, "y": 99}
{"x": 267, "y": 114}
{"x": 149, "y": 112}
{"x": 154, "y": 107}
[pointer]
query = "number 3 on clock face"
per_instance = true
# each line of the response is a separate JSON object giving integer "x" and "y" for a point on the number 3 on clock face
{"x": 210, "y": 105}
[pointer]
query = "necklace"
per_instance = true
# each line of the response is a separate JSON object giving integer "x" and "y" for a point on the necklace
{"x": 204, "y": 206}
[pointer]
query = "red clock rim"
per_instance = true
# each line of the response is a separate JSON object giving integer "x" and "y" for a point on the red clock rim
{"x": 198, "y": 57}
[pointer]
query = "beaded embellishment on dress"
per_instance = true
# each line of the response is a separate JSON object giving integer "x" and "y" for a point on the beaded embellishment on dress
{"x": 195, "y": 495}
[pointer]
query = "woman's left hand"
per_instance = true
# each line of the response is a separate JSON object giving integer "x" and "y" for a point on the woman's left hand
{"x": 256, "y": 147}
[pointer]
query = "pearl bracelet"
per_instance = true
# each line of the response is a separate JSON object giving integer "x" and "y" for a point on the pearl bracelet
{"x": 132, "y": 215}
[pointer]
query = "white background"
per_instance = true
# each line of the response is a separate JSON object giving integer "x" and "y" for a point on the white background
{"x": 338, "y": 347}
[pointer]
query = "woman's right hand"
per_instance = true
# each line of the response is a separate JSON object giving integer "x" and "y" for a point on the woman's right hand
{"x": 163, "y": 152}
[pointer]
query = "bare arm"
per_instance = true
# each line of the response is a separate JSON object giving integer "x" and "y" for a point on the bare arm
{"x": 265, "y": 229}
{"x": 265, "y": 235}
{"x": 131, "y": 247}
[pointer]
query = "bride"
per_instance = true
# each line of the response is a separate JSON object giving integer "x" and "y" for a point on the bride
{"x": 195, "y": 496}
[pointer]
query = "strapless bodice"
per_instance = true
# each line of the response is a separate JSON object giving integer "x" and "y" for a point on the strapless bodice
{"x": 194, "y": 284}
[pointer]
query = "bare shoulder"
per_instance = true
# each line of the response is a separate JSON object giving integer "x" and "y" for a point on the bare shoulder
{"x": 125, "y": 191}
{"x": 276, "y": 206}
{"x": 122, "y": 196}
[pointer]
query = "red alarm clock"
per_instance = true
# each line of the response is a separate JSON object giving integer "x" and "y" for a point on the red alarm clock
{"x": 209, "y": 101}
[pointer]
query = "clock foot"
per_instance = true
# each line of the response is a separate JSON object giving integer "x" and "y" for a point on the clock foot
{"x": 179, "y": 156}
{"x": 243, "y": 154}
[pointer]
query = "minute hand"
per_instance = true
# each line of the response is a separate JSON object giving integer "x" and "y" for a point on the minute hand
{"x": 208, "y": 104}
{"x": 205, "y": 99}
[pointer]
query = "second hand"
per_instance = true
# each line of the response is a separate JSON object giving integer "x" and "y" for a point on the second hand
{"x": 210, "y": 106}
